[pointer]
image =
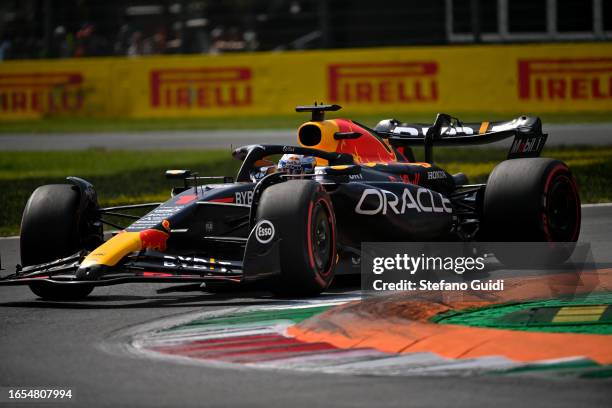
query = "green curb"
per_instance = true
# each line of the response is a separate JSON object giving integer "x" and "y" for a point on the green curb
{"x": 591, "y": 314}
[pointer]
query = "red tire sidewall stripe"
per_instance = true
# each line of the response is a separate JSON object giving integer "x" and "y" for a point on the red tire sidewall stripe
{"x": 321, "y": 276}
{"x": 561, "y": 168}
{"x": 332, "y": 224}
{"x": 308, "y": 236}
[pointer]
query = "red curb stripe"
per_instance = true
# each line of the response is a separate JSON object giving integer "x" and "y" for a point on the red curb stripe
{"x": 264, "y": 358}
{"x": 226, "y": 340}
{"x": 234, "y": 339}
{"x": 272, "y": 354}
{"x": 300, "y": 346}
{"x": 197, "y": 347}
{"x": 251, "y": 349}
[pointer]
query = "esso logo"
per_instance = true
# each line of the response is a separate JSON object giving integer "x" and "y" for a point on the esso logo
{"x": 264, "y": 231}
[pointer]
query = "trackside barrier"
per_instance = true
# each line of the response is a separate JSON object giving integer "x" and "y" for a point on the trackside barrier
{"x": 502, "y": 78}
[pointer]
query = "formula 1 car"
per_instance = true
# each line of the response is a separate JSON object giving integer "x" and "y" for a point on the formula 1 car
{"x": 292, "y": 231}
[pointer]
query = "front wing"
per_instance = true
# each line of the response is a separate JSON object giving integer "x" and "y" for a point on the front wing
{"x": 149, "y": 266}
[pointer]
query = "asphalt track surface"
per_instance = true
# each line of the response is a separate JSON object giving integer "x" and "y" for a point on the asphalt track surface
{"x": 66, "y": 344}
{"x": 568, "y": 134}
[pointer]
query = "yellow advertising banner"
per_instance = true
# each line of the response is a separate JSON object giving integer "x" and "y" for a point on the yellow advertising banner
{"x": 496, "y": 78}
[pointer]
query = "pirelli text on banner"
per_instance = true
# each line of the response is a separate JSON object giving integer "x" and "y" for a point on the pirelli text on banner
{"x": 184, "y": 88}
{"x": 566, "y": 79}
{"x": 383, "y": 83}
{"x": 41, "y": 92}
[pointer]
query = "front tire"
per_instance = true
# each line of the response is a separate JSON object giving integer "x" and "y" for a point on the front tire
{"x": 303, "y": 215}
{"x": 50, "y": 230}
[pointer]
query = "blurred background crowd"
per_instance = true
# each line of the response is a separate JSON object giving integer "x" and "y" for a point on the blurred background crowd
{"x": 31, "y": 29}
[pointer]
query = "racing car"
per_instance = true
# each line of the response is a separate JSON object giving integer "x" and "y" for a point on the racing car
{"x": 291, "y": 226}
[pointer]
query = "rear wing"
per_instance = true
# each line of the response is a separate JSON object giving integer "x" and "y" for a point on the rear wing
{"x": 447, "y": 131}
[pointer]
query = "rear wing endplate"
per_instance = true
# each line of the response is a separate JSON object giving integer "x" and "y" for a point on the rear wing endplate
{"x": 527, "y": 132}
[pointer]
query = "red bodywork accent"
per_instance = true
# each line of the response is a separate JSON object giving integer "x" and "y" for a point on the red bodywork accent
{"x": 223, "y": 200}
{"x": 153, "y": 239}
{"x": 157, "y": 274}
{"x": 414, "y": 179}
{"x": 367, "y": 148}
{"x": 186, "y": 199}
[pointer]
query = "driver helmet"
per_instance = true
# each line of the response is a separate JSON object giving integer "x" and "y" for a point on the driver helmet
{"x": 296, "y": 164}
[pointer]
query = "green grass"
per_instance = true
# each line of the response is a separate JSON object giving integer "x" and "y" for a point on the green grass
{"x": 71, "y": 125}
{"x": 123, "y": 177}
{"x": 592, "y": 166}
{"x": 120, "y": 177}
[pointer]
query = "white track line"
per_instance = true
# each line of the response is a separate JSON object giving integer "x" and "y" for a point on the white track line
{"x": 597, "y": 205}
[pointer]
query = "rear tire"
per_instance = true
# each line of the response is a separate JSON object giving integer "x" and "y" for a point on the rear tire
{"x": 532, "y": 200}
{"x": 303, "y": 215}
{"x": 50, "y": 230}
